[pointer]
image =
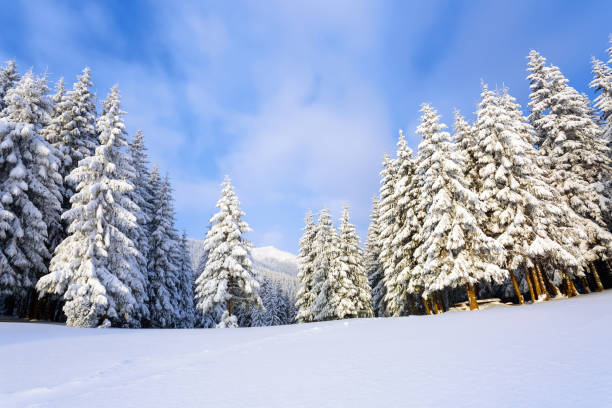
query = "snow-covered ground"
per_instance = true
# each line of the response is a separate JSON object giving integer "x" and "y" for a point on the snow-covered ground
{"x": 553, "y": 354}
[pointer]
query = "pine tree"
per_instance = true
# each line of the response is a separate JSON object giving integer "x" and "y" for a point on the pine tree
{"x": 29, "y": 187}
{"x": 94, "y": 268}
{"x": 186, "y": 284}
{"x": 602, "y": 83}
{"x": 387, "y": 225}
{"x": 305, "y": 295}
{"x": 399, "y": 265}
{"x": 274, "y": 311}
{"x": 578, "y": 162}
{"x": 228, "y": 278}
{"x": 374, "y": 270}
{"x": 163, "y": 270}
{"x": 333, "y": 288}
{"x": 142, "y": 196}
{"x": 540, "y": 92}
{"x": 454, "y": 251}
{"x": 72, "y": 128}
{"x": 523, "y": 211}
{"x": 350, "y": 262}
{"x": 8, "y": 79}
{"x": 464, "y": 137}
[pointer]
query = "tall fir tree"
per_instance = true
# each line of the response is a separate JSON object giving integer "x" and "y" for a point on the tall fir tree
{"x": 454, "y": 251}
{"x": 578, "y": 162}
{"x": 228, "y": 280}
{"x": 386, "y": 223}
{"x": 524, "y": 213}
{"x": 333, "y": 288}
{"x": 306, "y": 294}
{"x": 162, "y": 268}
{"x": 374, "y": 269}
{"x": 185, "y": 284}
{"x": 398, "y": 267}
{"x": 8, "y": 79}
{"x": 29, "y": 187}
{"x": 94, "y": 268}
{"x": 350, "y": 262}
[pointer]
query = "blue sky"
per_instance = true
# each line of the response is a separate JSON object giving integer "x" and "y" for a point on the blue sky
{"x": 297, "y": 101}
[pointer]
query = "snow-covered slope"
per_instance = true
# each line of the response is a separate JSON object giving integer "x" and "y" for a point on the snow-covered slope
{"x": 553, "y": 354}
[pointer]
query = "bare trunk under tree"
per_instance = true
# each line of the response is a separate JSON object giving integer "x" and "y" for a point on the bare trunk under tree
{"x": 519, "y": 295}
{"x": 472, "y": 297}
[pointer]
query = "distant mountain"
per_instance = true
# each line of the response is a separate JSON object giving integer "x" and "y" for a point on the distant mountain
{"x": 269, "y": 262}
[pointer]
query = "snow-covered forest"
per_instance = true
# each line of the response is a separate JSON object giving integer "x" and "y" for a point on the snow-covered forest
{"x": 512, "y": 208}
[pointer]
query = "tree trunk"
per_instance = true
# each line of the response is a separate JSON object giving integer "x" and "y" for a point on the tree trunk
{"x": 570, "y": 287}
{"x": 230, "y": 307}
{"x": 519, "y": 295}
{"x": 553, "y": 291}
{"x": 472, "y": 297}
{"x": 543, "y": 288}
{"x": 585, "y": 284}
{"x": 432, "y": 299}
{"x": 536, "y": 283}
{"x": 427, "y": 308}
{"x": 596, "y": 277}
{"x": 530, "y": 284}
{"x": 441, "y": 303}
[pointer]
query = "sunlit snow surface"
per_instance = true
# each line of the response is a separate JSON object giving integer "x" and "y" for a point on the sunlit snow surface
{"x": 553, "y": 354}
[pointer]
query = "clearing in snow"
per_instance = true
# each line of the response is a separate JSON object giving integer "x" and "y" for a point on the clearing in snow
{"x": 552, "y": 354}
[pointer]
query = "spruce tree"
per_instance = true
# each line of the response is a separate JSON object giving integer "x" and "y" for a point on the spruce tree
{"x": 602, "y": 84}
{"x": 306, "y": 295}
{"x": 185, "y": 284}
{"x": 374, "y": 270}
{"x": 454, "y": 251}
{"x": 142, "y": 196}
{"x": 333, "y": 287}
{"x": 228, "y": 280}
{"x": 578, "y": 162}
{"x": 351, "y": 262}
{"x": 163, "y": 271}
{"x": 386, "y": 224}
{"x": 8, "y": 79}
{"x": 398, "y": 267}
{"x": 540, "y": 92}
{"x": 29, "y": 187}
{"x": 523, "y": 212}
{"x": 94, "y": 268}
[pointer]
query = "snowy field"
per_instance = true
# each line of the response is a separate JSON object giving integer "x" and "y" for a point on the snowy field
{"x": 553, "y": 354}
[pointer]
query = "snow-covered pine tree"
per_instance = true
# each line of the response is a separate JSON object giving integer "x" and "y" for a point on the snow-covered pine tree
{"x": 334, "y": 289}
{"x": 94, "y": 268}
{"x": 374, "y": 270}
{"x": 523, "y": 212}
{"x": 72, "y": 129}
{"x": 538, "y": 84}
{"x": 350, "y": 262}
{"x": 163, "y": 270}
{"x": 274, "y": 308}
{"x": 578, "y": 161}
{"x": 8, "y": 79}
{"x": 186, "y": 284}
{"x": 228, "y": 278}
{"x": 398, "y": 267}
{"x": 464, "y": 141}
{"x": 602, "y": 84}
{"x": 305, "y": 294}
{"x": 454, "y": 251}
{"x": 386, "y": 224}
{"x": 29, "y": 189}
{"x": 142, "y": 196}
